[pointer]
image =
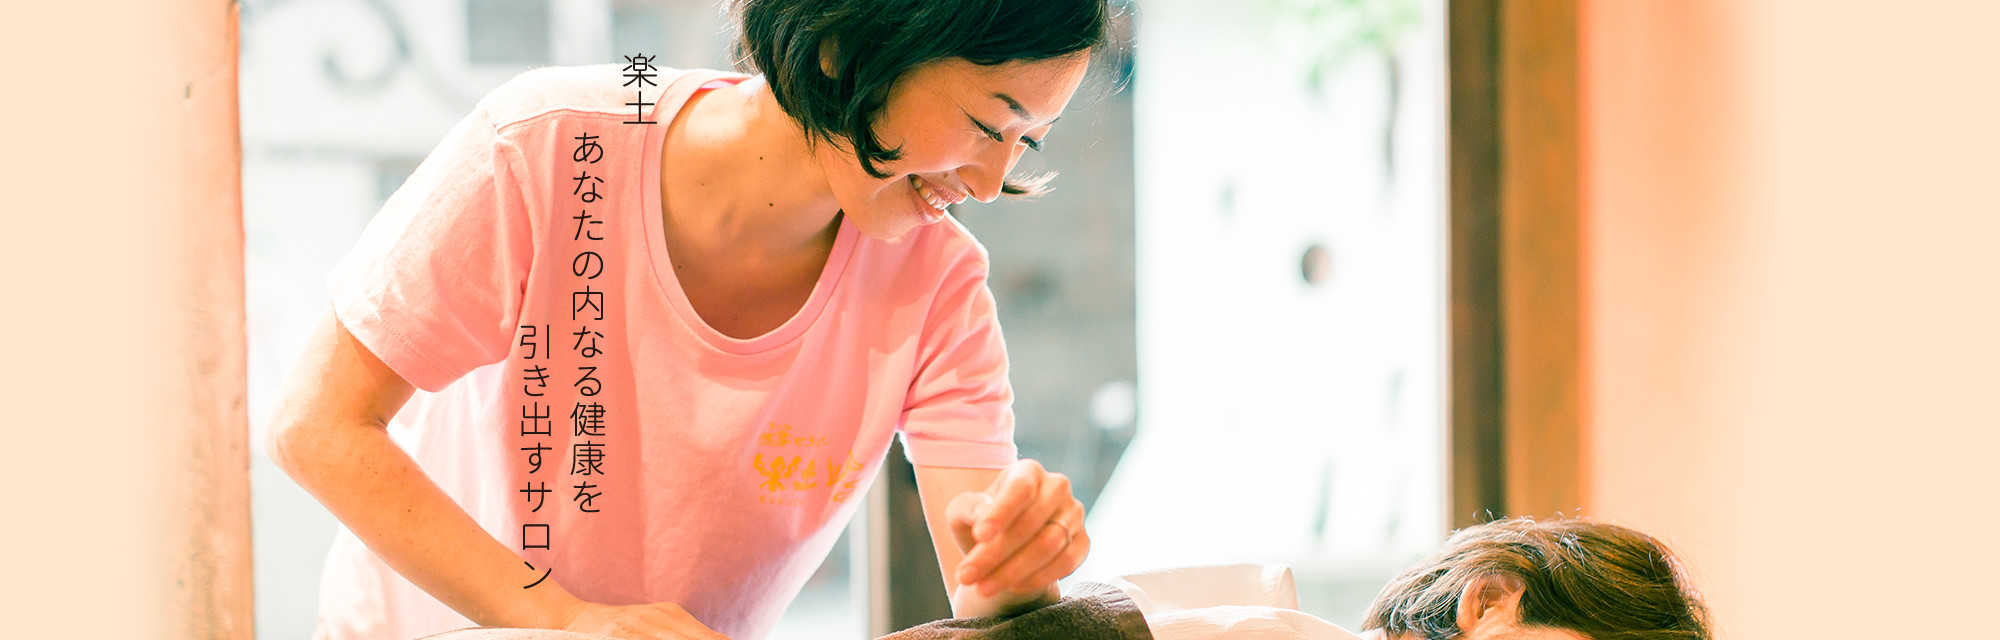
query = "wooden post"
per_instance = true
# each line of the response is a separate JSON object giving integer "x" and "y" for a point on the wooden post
{"x": 1514, "y": 290}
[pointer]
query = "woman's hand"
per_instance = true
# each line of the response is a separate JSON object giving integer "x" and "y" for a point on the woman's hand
{"x": 657, "y": 621}
{"x": 1019, "y": 535}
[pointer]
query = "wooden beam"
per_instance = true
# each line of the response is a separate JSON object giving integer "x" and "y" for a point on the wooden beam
{"x": 1539, "y": 257}
{"x": 208, "y": 531}
{"x": 1515, "y": 276}
{"x": 1476, "y": 472}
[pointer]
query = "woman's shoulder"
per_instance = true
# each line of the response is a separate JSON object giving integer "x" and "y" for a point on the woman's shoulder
{"x": 595, "y": 89}
{"x": 956, "y": 243}
{"x": 932, "y": 255}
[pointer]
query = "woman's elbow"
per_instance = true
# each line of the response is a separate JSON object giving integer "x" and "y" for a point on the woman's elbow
{"x": 281, "y": 444}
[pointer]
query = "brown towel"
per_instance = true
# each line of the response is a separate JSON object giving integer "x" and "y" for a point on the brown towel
{"x": 1093, "y": 611}
{"x": 504, "y": 633}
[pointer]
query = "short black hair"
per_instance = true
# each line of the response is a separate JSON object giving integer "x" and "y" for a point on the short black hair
{"x": 1603, "y": 581}
{"x": 877, "y": 41}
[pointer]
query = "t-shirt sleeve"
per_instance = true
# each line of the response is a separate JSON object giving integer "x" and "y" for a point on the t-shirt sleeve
{"x": 436, "y": 280}
{"x": 960, "y": 411}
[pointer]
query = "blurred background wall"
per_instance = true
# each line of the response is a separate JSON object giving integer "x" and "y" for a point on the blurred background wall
{"x": 1792, "y": 304}
{"x": 121, "y": 299}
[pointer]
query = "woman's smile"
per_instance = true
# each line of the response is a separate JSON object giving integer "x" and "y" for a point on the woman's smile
{"x": 932, "y": 200}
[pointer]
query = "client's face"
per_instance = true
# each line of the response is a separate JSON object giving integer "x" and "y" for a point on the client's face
{"x": 1625, "y": 582}
{"x": 1490, "y": 609}
{"x": 1518, "y": 632}
{"x": 1509, "y": 632}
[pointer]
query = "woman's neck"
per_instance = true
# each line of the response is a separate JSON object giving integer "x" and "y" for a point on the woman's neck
{"x": 738, "y": 179}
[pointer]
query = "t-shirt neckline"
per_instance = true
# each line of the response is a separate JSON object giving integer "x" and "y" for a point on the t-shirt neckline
{"x": 677, "y": 94}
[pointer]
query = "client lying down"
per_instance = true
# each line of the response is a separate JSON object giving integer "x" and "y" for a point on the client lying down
{"x": 1519, "y": 579}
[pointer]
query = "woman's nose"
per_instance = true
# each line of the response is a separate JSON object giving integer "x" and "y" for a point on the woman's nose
{"x": 983, "y": 182}
{"x": 985, "y": 175}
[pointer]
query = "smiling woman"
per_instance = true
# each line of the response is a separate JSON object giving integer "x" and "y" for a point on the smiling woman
{"x": 717, "y": 341}
{"x": 835, "y": 92}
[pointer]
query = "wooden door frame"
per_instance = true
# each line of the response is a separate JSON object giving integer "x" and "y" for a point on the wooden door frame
{"x": 1515, "y": 275}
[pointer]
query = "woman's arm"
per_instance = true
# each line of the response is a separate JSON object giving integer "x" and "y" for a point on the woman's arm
{"x": 1003, "y": 537}
{"x": 330, "y": 434}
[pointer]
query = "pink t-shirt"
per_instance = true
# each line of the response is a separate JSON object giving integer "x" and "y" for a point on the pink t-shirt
{"x": 721, "y": 470}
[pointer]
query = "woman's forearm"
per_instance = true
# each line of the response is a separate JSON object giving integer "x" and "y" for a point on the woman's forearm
{"x": 966, "y": 602}
{"x": 375, "y": 488}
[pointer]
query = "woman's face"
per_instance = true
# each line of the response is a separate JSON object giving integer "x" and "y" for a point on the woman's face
{"x": 1508, "y": 632}
{"x": 960, "y": 127}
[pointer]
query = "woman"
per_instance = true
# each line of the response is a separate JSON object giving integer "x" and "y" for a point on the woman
{"x": 660, "y": 361}
{"x": 1516, "y": 579}
{"x": 1563, "y": 579}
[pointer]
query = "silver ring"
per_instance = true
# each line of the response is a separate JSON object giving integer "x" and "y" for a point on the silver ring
{"x": 1067, "y": 534}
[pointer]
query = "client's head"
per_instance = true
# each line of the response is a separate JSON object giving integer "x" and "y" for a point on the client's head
{"x": 1557, "y": 579}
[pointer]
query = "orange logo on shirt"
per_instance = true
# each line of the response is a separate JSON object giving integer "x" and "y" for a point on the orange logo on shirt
{"x": 835, "y": 472}
{"x": 782, "y": 472}
{"x": 780, "y": 435}
{"x": 776, "y": 473}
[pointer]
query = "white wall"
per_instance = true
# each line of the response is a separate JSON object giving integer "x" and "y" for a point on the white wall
{"x": 121, "y": 376}
{"x": 1793, "y": 305}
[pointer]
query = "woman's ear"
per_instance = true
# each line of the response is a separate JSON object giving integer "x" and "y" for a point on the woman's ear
{"x": 829, "y": 51}
{"x": 1488, "y": 604}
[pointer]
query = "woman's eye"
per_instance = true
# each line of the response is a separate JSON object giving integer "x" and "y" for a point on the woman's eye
{"x": 995, "y": 135}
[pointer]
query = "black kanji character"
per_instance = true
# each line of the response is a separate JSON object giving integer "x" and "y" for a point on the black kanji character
{"x": 588, "y": 418}
{"x": 586, "y": 459}
{"x": 586, "y": 299}
{"x": 535, "y": 423}
{"x": 637, "y": 68}
{"x": 528, "y": 340}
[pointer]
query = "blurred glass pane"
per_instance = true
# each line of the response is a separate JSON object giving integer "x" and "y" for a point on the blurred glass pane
{"x": 1289, "y": 286}
{"x": 507, "y": 32}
